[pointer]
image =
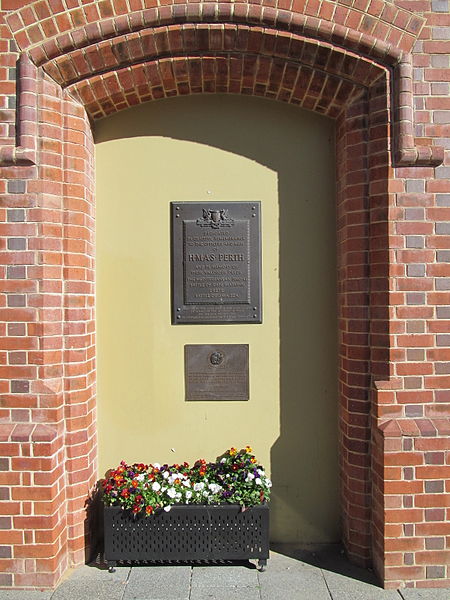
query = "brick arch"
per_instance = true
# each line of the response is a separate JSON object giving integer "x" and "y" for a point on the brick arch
{"x": 231, "y": 73}
{"x": 89, "y": 39}
{"x": 378, "y": 30}
{"x": 194, "y": 38}
{"x": 182, "y": 59}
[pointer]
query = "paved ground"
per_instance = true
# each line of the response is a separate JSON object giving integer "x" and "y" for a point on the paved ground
{"x": 300, "y": 576}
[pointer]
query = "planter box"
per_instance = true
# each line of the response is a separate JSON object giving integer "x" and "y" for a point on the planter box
{"x": 187, "y": 533}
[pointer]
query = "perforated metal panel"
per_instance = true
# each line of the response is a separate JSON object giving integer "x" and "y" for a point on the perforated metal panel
{"x": 188, "y": 533}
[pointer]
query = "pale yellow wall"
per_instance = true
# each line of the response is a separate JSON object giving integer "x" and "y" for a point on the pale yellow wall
{"x": 237, "y": 149}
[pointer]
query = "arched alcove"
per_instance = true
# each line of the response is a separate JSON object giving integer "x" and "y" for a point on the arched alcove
{"x": 211, "y": 148}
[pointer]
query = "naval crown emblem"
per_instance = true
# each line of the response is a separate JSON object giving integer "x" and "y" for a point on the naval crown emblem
{"x": 215, "y": 218}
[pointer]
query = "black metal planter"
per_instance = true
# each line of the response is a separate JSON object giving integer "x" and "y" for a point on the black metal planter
{"x": 188, "y": 533}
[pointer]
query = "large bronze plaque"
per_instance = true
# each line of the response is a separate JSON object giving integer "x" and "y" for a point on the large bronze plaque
{"x": 216, "y": 262}
{"x": 216, "y": 372}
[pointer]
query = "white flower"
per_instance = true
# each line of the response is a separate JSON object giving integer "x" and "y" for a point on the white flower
{"x": 199, "y": 486}
{"x": 250, "y": 477}
{"x": 156, "y": 466}
{"x": 188, "y": 494}
{"x": 171, "y": 492}
{"x": 222, "y": 460}
{"x": 205, "y": 493}
{"x": 140, "y": 477}
{"x": 167, "y": 508}
{"x": 187, "y": 483}
{"x": 178, "y": 495}
{"x": 268, "y": 482}
{"x": 258, "y": 481}
{"x": 214, "y": 487}
{"x": 260, "y": 472}
{"x": 166, "y": 474}
{"x": 156, "y": 486}
{"x": 163, "y": 489}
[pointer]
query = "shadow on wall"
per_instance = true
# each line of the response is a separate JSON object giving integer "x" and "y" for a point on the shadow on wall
{"x": 304, "y": 461}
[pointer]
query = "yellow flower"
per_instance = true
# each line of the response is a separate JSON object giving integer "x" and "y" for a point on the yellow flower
{"x": 248, "y": 449}
{"x": 233, "y": 451}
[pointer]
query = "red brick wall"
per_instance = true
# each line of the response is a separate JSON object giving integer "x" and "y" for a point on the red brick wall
{"x": 85, "y": 60}
{"x": 47, "y": 428}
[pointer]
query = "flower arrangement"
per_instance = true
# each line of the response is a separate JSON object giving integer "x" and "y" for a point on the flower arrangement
{"x": 234, "y": 478}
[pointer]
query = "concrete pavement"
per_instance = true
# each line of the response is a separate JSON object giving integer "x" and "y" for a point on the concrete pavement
{"x": 290, "y": 575}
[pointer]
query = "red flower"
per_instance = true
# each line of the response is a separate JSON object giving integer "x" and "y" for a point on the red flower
{"x": 149, "y": 510}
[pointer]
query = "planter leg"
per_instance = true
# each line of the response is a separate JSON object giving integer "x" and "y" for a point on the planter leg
{"x": 262, "y": 564}
{"x": 111, "y": 566}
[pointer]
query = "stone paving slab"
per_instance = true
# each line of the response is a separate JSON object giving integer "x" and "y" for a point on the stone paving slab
{"x": 294, "y": 586}
{"x": 293, "y": 575}
{"x": 226, "y": 593}
{"x": 158, "y": 583}
{"x": 287, "y": 578}
{"x": 342, "y": 587}
{"x": 343, "y": 580}
{"x": 225, "y": 582}
{"x": 92, "y": 583}
{"x": 98, "y": 572}
{"x": 224, "y": 575}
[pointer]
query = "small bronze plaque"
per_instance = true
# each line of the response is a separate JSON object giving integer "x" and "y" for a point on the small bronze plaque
{"x": 216, "y": 372}
{"x": 216, "y": 262}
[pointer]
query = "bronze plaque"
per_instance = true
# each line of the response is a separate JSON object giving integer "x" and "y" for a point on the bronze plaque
{"x": 216, "y": 372}
{"x": 216, "y": 262}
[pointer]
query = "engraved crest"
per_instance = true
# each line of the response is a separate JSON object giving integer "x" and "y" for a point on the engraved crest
{"x": 215, "y": 218}
{"x": 216, "y": 358}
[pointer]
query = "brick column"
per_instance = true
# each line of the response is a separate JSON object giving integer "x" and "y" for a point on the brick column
{"x": 79, "y": 323}
{"x": 47, "y": 438}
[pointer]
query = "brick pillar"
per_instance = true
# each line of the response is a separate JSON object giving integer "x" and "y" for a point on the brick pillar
{"x": 354, "y": 329}
{"x": 47, "y": 371}
{"x": 33, "y": 440}
{"x": 79, "y": 323}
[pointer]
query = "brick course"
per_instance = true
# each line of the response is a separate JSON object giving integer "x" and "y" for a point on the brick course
{"x": 81, "y": 61}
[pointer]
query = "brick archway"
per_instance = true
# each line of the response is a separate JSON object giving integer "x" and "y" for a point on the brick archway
{"x": 91, "y": 60}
